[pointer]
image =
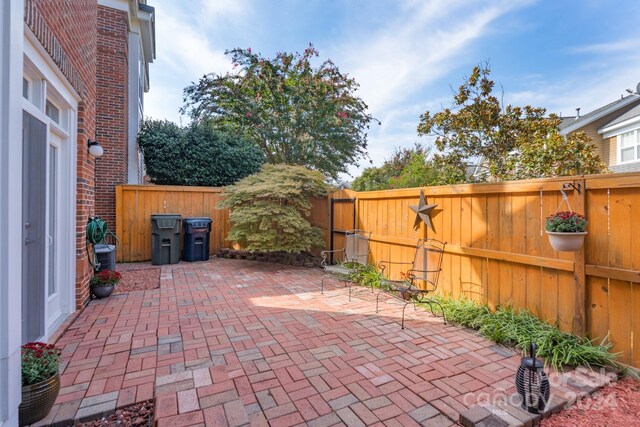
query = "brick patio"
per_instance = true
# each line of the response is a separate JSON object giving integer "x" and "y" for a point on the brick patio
{"x": 231, "y": 342}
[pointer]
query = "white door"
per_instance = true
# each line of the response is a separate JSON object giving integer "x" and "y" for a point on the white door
{"x": 53, "y": 264}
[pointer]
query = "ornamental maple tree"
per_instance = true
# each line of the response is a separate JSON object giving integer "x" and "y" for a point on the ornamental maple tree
{"x": 294, "y": 112}
{"x": 269, "y": 209}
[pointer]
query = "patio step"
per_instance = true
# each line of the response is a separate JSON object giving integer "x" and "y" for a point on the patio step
{"x": 566, "y": 389}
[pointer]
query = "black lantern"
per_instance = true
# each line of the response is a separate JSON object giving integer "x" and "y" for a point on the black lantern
{"x": 532, "y": 383}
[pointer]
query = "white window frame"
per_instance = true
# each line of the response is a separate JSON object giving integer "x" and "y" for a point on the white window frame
{"x": 636, "y": 134}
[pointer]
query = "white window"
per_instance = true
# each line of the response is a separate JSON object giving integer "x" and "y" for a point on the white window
{"x": 52, "y": 111}
{"x": 629, "y": 146}
{"x": 25, "y": 88}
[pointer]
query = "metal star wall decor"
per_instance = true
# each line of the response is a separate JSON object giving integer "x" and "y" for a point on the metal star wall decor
{"x": 423, "y": 213}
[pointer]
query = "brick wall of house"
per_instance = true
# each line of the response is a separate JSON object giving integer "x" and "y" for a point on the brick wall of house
{"x": 112, "y": 117}
{"x": 67, "y": 30}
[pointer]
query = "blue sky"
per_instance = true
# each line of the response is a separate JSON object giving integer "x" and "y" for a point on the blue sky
{"x": 407, "y": 55}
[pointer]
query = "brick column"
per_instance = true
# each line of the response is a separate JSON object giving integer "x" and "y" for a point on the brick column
{"x": 112, "y": 109}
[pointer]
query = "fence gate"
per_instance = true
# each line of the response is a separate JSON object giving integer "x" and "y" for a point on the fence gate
{"x": 342, "y": 218}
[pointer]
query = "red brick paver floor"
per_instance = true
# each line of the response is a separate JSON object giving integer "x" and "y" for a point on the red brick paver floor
{"x": 233, "y": 342}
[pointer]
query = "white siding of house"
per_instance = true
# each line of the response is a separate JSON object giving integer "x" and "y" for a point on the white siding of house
{"x": 11, "y": 46}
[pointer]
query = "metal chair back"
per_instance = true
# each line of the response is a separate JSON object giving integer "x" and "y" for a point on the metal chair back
{"x": 356, "y": 246}
{"x": 427, "y": 263}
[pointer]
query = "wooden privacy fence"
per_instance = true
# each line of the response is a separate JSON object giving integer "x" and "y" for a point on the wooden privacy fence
{"x": 136, "y": 203}
{"x": 498, "y": 252}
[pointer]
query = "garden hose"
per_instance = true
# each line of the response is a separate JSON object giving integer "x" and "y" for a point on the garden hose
{"x": 97, "y": 231}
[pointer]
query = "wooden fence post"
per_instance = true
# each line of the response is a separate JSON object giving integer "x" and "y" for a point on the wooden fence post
{"x": 119, "y": 224}
{"x": 579, "y": 272}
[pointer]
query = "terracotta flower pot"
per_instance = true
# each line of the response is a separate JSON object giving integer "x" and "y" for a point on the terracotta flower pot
{"x": 38, "y": 399}
{"x": 566, "y": 242}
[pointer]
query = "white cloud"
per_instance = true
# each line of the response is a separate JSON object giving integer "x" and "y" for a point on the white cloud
{"x": 185, "y": 52}
{"x": 163, "y": 102}
{"x": 216, "y": 10}
{"x": 588, "y": 85}
{"x": 606, "y": 48}
{"x": 416, "y": 48}
{"x": 186, "y": 47}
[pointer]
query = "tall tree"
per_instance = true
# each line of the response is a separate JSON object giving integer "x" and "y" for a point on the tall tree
{"x": 195, "y": 155}
{"x": 477, "y": 128}
{"x": 296, "y": 113}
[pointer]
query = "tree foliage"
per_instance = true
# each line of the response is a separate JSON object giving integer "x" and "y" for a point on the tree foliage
{"x": 296, "y": 113}
{"x": 195, "y": 155}
{"x": 508, "y": 141}
{"x": 269, "y": 209}
{"x": 559, "y": 156}
{"x": 407, "y": 167}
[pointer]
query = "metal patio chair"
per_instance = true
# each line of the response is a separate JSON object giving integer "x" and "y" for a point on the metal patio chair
{"x": 348, "y": 260}
{"x": 424, "y": 270}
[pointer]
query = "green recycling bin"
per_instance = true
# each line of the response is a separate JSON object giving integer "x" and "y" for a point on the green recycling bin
{"x": 165, "y": 239}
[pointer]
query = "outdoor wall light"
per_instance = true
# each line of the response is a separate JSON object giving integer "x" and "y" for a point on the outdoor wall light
{"x": 95, "y": 149}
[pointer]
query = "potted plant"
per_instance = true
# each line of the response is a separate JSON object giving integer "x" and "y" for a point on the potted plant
{"x": 103, "y": 283}
{"x": 40, "y": 381}
{"x": 566, "y": 230}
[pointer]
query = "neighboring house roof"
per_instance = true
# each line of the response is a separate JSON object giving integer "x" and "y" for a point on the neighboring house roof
{"x": 568, "y": 126}
{"x": 566, "y": 121}
{"x": 634, "y": 112}
{"x": 626, "y": 167}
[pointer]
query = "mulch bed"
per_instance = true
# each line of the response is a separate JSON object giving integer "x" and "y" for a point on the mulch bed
{"x": 138, "y": 414}
{"x": 137, "y": 277}
{"x": 302, "y": 259}
{"x": 615, "y": 405}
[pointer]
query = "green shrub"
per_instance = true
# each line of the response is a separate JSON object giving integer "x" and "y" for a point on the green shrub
{"x": 519, "y": 328}
{"x": 269, "y": 209}
{"x": 195, "y": 155}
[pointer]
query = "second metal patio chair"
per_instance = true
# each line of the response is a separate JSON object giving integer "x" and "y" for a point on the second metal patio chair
{"x": 421, "y": 278}
{"x": 348, "y": 261}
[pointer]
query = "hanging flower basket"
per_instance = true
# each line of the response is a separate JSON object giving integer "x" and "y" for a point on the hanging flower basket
{"x": 566, "y": 242}
{"x": 566, "y": 231}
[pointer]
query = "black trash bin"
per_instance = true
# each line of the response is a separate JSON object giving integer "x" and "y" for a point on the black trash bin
{"x": 106, "y": 256}
{"x": 165, "y": 239}
{"x": 196, "y": 239}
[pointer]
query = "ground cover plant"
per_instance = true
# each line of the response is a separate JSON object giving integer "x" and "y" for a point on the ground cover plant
{"x": 517, "y": 328}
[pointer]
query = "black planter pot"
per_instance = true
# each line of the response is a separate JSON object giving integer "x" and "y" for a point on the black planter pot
{"x": 102, "y": 291}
